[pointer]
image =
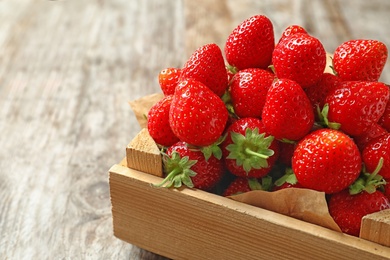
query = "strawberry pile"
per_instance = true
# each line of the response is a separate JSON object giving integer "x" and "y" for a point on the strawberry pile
{"x": 266, "y": 115}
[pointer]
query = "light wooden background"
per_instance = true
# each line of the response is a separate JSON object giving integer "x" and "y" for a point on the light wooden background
{"x": 68, "y": 69}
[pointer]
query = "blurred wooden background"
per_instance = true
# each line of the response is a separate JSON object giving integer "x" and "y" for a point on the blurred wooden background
{"x": 67, "y": 72}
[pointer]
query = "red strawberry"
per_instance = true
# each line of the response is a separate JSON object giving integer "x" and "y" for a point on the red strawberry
{"x": 189, "y": 167}
{"x": 357, "y": 105}
{"x": 348, "y": 210}
{"x": 168, "y": 79}
{"x": 360, "y": 60}
{"x": 374, "y": 150}
{"x": 375, "y": 131}
{"x": 319, "y": 91}
{"x": 384, "y": 121}
{"x": 290, "y": 30}
{"x": 248, "y": 151}
{"x": 248, "y": 91}
{"x": 158, "y": 122}
{"x": 326, "y": 160}
{"x": 207, "y": 66}
{"x": 251, "y": 44}
{"x": 300, "y": 57}
{"x": 286, "y": 151}
{"x": 387, "y": 189}
{"x": 237, "y": 186}
{"x": 242, "y": 185}
{"x": 287, "y": 112}
{"x": 197, "y": 115}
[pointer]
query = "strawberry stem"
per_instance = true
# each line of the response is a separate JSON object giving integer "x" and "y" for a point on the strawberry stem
{"x": 263, "y": 156}
{"x": 251, "y": 150}
{"x": 179, "y": 171}
{"x": 368, "y": 182}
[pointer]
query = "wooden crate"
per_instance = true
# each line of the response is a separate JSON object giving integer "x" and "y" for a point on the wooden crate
{"x": 193, "y": 224}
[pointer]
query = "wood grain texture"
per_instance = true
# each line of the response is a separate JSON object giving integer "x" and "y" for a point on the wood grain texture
{"x": 67, "y": 72}
{"x": 192, "y": 224}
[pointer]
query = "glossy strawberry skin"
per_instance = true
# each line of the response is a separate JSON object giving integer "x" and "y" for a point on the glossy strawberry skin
{"x": 290, "y": 30}
{"x": 238, "y": 185}
{"x": 287, "y": 112}
{"x": 158, "y": 122}
{"x": 348, "y": 210}
{"x": 373, "y": 151}
{"x": 197, "y": 115}
{"x": 251, "y": 43}
{"x": 300, "y": 57}
{"x": 375, "y": 131}
{"x": 384, "y": 121}
{"x": 318, "y": 92}
{"x": 357, "y": 105}
{"x": 208, "y": 173}
{"x": 207, "y": 66}
{"x": 286, "y": 151}
{"x": 168, "y": 79}
{"x": 360, "y": 60}
{"x": 248, "y": 91}
{"x": 387, "y": 189}
{"x": 326, "y": 160}
{"x": 240, "y": 126}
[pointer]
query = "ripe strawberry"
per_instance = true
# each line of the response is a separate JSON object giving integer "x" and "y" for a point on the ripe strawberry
{"x": 248, "y": 91}
{"x": 168, "y": 79}
{"x": 326, "y": 160}
{"x": 375, "y": 131}
{"x": 360, "y": 60}
{"x": 287, "y": 112}
{"x": 387, "y": 189}
{"x": 286, "y": 151}
{"x": 189, "y": 167}
{"x": 251, "y": 44}
{"x": 237, "y": 186}
{"x": 374, "y": 150}
{"x": 290, "y": 30}
{"x": 207, "y": 66}
{"x": 348, "y": 210}
{"x": 384, "y": 121}
{"x": 357, "y": 105}
{"x": 319, "y": 91}
{"x": 197, "y": 115}
{"x": 300, "y": 57}
{"x": 158, "y": 122}
{"x": 242, "y": 185}
{"x": 249, "y": 151}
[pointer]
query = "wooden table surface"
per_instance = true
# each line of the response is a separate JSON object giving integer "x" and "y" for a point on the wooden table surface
{"x": 67, "y": 72}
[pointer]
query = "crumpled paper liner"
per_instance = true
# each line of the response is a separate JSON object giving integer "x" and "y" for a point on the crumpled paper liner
{"x": 304, "y": 204}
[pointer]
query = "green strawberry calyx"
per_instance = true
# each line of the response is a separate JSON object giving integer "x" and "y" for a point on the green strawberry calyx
{"x": 213, "y": 149}
{"x": 323, "y": 118}
{"x": 250, "y": 151}
{"x": 178, "y": 171}
{"x": 368, "y": 182}
{"x": 288, "y": 177}
{"x": 265, "y": 184}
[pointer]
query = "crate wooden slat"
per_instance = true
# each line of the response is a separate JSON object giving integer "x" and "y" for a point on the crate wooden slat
{"x": 193, "y": 224}
{"x": 143, "y": 154}
{"x": 376, "y": 227}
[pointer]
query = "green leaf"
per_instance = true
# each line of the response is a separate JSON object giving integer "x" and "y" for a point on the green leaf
{"x": 178, "y": 170}
{"x": 254, "y": 184}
